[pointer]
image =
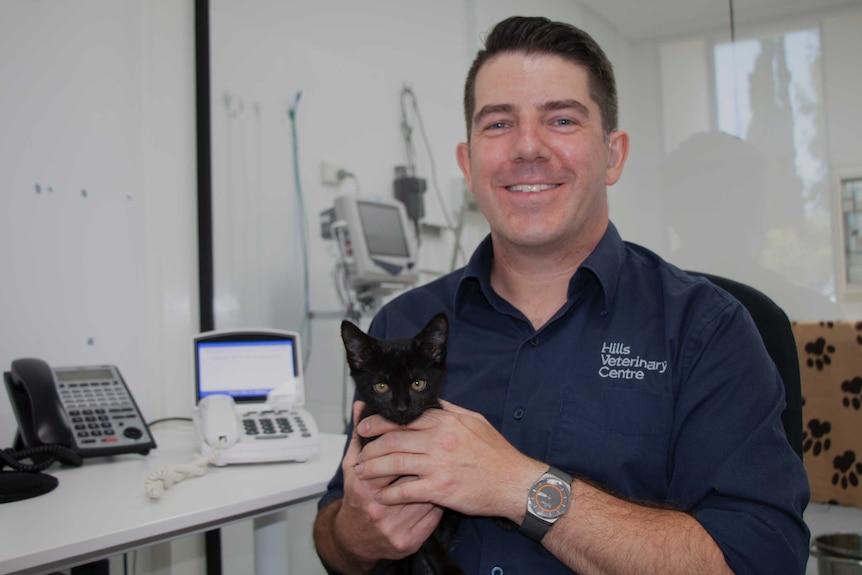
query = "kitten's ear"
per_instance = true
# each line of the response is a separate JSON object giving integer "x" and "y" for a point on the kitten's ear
{"x": 432, "y": 338}
{"x": 357, "y": 343}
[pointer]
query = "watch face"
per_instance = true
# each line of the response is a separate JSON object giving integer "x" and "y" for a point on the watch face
{"x": 549, "y": 498}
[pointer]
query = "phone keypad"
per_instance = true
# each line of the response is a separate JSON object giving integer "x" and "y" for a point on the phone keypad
{"x": 91, "y": 423}
{"x": 101, "y": 412}
{"x": 273, "y": 424}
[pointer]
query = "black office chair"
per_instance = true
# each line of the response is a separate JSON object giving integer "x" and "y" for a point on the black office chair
{"x": 774, "y": 327}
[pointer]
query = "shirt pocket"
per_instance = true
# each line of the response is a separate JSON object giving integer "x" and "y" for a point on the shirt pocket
{"x": 616, "y": 436}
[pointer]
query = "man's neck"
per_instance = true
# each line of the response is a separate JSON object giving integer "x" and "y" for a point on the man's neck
{"x": 536, "y": 282}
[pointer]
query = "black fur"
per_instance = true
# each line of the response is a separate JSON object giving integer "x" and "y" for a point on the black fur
{"x": 400, "y": 379}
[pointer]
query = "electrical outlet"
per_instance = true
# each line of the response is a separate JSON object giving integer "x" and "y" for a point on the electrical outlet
{"x": 329, "y": 174}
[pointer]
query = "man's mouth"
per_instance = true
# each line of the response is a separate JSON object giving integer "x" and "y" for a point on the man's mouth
{"x": 531, "y": 188}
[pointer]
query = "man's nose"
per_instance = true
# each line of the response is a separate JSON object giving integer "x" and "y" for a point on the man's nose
{"x": 529, "y": 144}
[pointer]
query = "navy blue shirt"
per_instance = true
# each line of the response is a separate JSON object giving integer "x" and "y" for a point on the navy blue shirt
{"x": 648, "y": 382}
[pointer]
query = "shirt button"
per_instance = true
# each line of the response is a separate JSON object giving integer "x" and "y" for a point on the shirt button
{"x": 534, "y": 341}
{"x": 518, "y": 413}
{"x": 497, "y": 571}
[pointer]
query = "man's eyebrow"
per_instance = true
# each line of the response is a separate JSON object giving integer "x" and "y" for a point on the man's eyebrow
{"x": 555, "y": 105}
{"x": 492, "y": 109}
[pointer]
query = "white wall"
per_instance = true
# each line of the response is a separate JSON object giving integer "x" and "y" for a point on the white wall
{"x": 97, "y": 159}
{"x": 99, "y": 96}
{"x": 667, "y": 92}
{"x": 97, "y": 172}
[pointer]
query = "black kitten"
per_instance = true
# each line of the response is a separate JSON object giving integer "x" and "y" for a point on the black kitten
{"x": 399, "y": 379}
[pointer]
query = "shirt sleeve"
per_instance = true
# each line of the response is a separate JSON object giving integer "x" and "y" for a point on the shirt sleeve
{"x": 733, "y": 467}
{"x": 335, "y": 487}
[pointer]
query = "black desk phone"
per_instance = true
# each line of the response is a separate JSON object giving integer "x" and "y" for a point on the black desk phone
{"x": 87, "y": 409}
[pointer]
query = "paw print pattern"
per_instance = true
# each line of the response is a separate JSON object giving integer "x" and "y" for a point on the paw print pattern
{"x": 820, "y": 352}
{"x": 853, "y": 392}
{"x": 815, "y": 437}
{"x": 847, "y": 470}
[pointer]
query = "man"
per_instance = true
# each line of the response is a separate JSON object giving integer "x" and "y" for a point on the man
{"x": 646, "y": 394}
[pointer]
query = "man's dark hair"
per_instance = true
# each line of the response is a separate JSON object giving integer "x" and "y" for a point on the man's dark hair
{"x": 537, "y": 35}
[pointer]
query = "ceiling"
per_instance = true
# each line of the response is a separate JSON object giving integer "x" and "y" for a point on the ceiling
{"x": 641, "y": 20}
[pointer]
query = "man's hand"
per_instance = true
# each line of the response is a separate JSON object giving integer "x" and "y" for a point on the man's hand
{"x": 458, "y": 459}
{"x": 365, "y": 529}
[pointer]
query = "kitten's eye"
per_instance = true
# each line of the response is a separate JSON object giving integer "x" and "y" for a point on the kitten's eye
{"x": 419, "y": 385}
{"x": 381, "y": 387}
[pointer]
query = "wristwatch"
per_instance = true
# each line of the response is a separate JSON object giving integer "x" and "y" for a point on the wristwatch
{"x": 548, "y": 500}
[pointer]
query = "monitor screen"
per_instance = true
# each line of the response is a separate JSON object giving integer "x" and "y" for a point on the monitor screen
{"x": 384, "y": 233}
{"x": 246, "y": 370}
{"x": 377, "y": 248}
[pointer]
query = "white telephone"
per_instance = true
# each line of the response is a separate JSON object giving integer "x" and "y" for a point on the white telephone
{"x": 253, "y": 434}
{"x": 250, "y": 398}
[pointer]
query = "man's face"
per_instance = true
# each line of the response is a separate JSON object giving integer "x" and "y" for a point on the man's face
{"x": 537, "y": 162}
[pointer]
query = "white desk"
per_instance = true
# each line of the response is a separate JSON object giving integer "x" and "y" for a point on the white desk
{"x": 100, "y": 509}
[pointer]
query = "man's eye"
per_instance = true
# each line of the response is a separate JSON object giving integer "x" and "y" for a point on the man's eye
{"x": 381, "y": 387}
{"x": 565, "y": 122}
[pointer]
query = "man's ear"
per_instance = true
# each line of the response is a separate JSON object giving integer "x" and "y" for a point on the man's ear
{"x": 618, "y": 152}
{"x": 462, "y": 154}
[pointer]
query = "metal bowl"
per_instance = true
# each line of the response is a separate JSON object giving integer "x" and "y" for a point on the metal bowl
{"x": 840, "y": 544}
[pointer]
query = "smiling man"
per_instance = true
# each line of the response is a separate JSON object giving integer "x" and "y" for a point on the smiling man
{"x": 538, "y": 161}
{"x": 622, "y": 416}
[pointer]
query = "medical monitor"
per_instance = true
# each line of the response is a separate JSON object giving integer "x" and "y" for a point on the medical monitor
{"x": 376, "y": 245}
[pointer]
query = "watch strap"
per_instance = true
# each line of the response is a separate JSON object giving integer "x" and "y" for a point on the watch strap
{"x": 535, "y": 527}
{"x": 567, "y": 477}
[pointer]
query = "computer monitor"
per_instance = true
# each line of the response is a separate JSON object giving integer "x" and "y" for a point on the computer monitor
{"x": 375, "y": 242}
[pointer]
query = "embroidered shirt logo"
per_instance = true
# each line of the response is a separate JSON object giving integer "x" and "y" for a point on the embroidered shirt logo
{"x": 618, "y": 363}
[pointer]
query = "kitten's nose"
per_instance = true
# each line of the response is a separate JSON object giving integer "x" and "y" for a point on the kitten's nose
{"x": 401, "y": 413}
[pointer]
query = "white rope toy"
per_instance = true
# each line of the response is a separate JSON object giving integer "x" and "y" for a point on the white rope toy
{"x": 160, "y": 481}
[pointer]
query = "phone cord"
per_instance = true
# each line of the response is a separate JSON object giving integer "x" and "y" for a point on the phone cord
{"x": 13, "y": 458}
{"x": 157, "y": 483}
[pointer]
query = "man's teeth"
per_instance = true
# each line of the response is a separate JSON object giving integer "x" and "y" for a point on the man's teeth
{"x": 531, "y": 187}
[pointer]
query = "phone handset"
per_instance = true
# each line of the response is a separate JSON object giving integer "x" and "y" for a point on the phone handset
{"x": 220, "y": 425}
{"x": 47, "y": 418}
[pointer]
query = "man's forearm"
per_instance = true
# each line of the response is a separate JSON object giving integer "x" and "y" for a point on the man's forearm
{"x": 604, "y": 535}
{"x": 329, "y": 548}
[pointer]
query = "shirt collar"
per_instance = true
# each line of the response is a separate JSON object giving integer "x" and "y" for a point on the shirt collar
{"x": 476, "y": 275}
{"x": 603, "y": 264}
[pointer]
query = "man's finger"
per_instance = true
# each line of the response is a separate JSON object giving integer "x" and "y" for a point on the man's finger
{"x": 358, "y": 406}
{"x": 351, "y": 457}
